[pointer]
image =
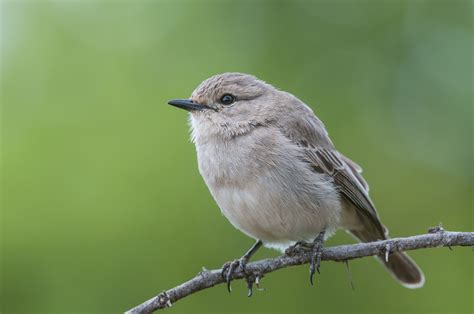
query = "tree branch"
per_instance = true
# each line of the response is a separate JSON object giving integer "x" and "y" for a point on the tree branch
{"x": 437, "y": 237}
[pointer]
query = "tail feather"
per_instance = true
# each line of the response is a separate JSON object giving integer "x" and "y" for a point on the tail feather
{"x": 399, "y": 264}
{"x": 404, "y": 269}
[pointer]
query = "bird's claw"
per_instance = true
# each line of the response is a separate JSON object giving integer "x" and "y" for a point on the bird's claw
{"x": 314, "y": 265}
{"x": 315, "y": 249}
{"x": 315, "y": 261}
{"x": 298, "y": 247}
{"x": 229, "y": 268}
{"x": 251, "y": 279}
{"x": 250, "y": 288}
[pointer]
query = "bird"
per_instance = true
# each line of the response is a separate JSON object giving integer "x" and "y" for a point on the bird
{"x": 275, "y": 174}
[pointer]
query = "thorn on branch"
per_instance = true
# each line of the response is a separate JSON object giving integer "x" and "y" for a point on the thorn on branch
{"x": 437, "y": 229}
{"x": 257, "y": 282}
{"x": 204, "y": 271}
{"x": 387, "y": 252}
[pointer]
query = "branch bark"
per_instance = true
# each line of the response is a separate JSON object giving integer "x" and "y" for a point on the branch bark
{"x": 437, "y": 237}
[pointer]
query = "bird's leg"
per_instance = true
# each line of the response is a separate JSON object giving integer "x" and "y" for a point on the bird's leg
{"x": 315, "y": 261}
{"x": 229, "y": 267}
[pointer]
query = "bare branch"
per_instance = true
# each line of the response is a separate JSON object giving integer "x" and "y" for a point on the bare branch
{"x": 437, "y": 237}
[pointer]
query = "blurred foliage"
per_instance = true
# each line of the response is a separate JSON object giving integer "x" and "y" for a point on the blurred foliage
{"x": 102, "y": 205}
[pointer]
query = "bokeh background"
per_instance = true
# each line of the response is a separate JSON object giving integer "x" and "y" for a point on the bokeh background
{"x": 102, "y": 205}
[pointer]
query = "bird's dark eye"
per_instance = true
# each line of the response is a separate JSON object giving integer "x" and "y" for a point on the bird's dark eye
{"x": 227, "y": 99}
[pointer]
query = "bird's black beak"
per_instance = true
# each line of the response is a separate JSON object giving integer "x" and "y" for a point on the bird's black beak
{"x": 186, "y": 104}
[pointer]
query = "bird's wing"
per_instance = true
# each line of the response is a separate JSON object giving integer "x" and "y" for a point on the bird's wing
{"x": 356, "y": 171}
{"x": 308, "y": 132}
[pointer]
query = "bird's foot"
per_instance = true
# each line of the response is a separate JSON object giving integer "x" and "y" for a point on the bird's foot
{"x": 315, "y": 249}
{"x": 230, "y": 268}
{"x": 299, "y": 247}
{"x": 316, "y": 252}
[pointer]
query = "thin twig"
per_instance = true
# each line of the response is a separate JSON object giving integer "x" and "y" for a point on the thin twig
{"x": 437, "y": 237}
{"x": 349, "y": 273}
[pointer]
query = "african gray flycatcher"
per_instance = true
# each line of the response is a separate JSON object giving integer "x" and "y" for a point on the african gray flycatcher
{"x": 275, "y": 174}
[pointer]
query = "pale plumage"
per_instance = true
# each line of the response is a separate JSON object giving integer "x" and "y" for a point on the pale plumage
{"x": 275, "y": 174}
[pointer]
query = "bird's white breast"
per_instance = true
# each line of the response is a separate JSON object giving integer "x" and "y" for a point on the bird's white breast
{"x": 263, "y": 187}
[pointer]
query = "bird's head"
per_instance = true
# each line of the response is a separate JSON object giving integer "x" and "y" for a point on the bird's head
{"x": 233, "y": 103}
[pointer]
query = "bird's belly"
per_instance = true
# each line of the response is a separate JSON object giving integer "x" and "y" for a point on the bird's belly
{"x": 279, "y": 215}
{"x": 266, "y": 190}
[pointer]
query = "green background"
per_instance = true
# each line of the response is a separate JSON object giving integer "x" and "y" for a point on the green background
{"x": 102, "y": 205}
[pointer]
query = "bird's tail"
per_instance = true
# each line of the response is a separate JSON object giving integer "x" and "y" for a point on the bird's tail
{"x": 399, "y": 264}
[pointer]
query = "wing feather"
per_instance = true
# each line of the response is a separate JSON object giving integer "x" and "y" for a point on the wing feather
{"x": 346, "y": 179}
{"x": 308, "y": 132}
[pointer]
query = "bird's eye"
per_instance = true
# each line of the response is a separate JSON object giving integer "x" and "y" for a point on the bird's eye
{"x": 227, "y": 99}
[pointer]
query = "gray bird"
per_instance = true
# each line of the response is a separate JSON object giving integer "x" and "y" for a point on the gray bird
{"x": 271, "y": 167}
